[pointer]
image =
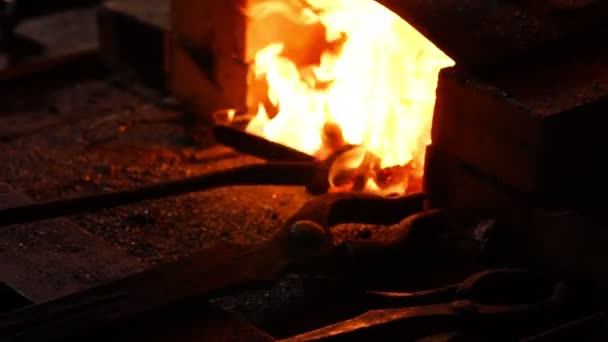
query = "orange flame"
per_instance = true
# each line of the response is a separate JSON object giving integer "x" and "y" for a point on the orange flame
{"x": 372, "y": 84}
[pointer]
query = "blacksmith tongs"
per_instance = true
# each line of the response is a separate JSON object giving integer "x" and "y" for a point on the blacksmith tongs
{"x": 489, "y": 301}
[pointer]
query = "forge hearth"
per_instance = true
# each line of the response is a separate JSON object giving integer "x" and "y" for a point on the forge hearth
{"x": 295, "y": 73}
{"x": 212, "y": 72}
{"x": 516, "y": 136}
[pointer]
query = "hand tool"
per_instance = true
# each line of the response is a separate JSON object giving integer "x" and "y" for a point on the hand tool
{"x": 304, "y": 244}
{"x": 476, "y": 304}
{"x": 293, "y": 169}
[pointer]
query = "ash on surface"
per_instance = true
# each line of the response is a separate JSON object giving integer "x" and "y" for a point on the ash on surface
{"x": 95, "y": 135}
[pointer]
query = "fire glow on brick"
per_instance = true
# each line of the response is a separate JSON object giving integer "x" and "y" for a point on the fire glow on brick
{"x": 329, "y": 73}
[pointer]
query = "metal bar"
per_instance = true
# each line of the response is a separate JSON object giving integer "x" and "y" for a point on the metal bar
{"x": 257, "y": 146}
{"x": 287, "y": 173}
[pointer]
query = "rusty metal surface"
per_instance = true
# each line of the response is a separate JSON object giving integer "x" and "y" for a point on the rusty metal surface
{"x": 55, "y": 258}
{"x": 76, "y": 137}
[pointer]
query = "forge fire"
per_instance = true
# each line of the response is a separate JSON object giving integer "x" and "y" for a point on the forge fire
{"x": 265, "y": 170}
{"x": 325, "y": 74}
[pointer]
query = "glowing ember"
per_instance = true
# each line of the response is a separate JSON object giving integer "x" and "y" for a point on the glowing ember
{"x": 369, "y": 79}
